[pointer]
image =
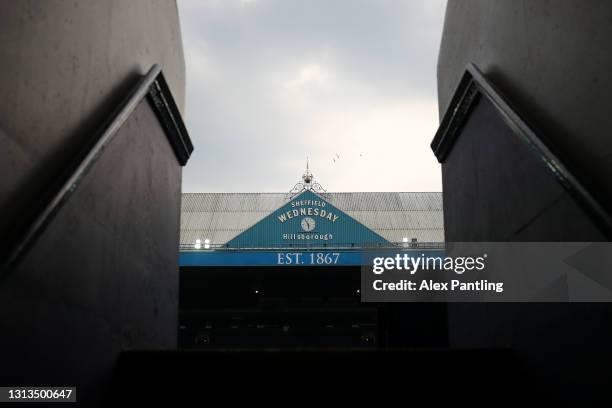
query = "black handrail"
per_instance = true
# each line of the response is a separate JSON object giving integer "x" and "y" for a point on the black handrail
{"x": 471, "y": 87}
{"x": 153, "y": 86}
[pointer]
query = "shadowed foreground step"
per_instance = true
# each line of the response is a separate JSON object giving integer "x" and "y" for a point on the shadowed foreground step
{"x": 317, "y": 375}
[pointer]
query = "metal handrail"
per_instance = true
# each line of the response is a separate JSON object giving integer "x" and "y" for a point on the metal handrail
{"x": 473, "y": 85}
{"x": 152, "y": 85}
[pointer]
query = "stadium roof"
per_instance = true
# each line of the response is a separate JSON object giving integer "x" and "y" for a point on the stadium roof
{"x": 219, "y": 217}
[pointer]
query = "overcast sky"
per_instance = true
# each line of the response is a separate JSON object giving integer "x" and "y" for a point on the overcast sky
{"x": 270, "y": 82}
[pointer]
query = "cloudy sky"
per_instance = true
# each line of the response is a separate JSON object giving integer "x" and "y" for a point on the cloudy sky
{"x": 270, "y": 82}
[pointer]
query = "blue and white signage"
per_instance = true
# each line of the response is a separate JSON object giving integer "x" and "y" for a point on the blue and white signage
{"x": 307, "y": 220}
{"x": 294, "y": 258}
{"x": 270, "y": 258}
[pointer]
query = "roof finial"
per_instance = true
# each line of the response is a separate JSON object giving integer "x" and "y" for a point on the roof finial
{"x": 307, "y": 176}
{"x": 307, "y": 183}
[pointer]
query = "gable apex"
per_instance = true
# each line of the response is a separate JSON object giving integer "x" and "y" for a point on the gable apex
{"x": 307, "y": 220}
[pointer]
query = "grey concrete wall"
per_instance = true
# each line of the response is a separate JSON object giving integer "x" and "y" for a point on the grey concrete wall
{"x": 66, "y": 65}
{"x": 497, "y": 189}
{"x": 552, "y": 60}
{"x": 103, "y": 276}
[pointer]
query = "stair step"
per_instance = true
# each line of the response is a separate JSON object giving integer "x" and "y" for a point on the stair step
{"x": 313, "y": 373}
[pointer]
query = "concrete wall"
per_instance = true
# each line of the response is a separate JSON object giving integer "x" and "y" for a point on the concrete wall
{"x": 65, "y": 66}
{"x": 497, "y": 189}
{"x": 552, "y": 60}
{"x": 103, "y": 276}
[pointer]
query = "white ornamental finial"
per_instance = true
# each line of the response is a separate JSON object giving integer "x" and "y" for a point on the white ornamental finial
{"x": 307, "y": 176}
{"x": 307, "y": 183}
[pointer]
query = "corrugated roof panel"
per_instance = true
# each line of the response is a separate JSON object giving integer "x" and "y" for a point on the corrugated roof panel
{"x": 394, "y": 215}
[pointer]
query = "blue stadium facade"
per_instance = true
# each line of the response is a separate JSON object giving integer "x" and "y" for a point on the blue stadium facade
{"x": 283, "y": 269}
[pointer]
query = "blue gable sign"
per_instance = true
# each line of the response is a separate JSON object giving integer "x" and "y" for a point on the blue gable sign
{"x": 308, "y": 220}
